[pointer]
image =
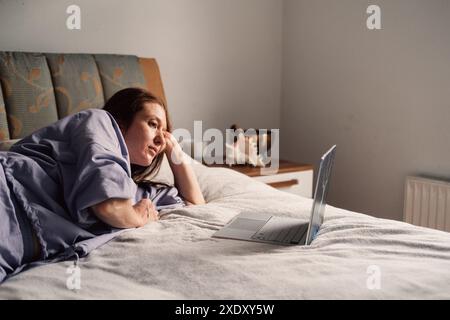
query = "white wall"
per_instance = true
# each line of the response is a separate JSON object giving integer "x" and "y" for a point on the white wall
{"x": 220, "y": 60}
{"x": 383, "y": 96}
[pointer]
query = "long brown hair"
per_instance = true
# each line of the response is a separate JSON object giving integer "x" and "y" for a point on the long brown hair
{"x": 123, "y": 106}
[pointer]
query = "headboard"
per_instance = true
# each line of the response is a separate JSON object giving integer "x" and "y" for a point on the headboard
{"x": 39, "y": 88}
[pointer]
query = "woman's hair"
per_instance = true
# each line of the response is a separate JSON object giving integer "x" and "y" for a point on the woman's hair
{"x": 123, "y": 106}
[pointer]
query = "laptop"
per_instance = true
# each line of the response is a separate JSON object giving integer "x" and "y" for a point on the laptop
{"x": 260, "y": 227}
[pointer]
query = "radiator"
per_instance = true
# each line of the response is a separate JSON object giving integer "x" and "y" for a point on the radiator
{"x": 427, "y": 203}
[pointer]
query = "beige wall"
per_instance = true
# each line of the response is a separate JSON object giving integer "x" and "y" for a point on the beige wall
{"x": 382, "y": 96}
{"x": 220, "y": 60}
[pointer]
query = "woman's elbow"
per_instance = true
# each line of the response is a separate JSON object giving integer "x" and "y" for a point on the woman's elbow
{"x": 197, "y": 201}
{"x": 117, "y": 213}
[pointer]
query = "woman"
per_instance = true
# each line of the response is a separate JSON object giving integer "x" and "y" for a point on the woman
{"x": 145, "y": 125}
{"x": 75, "y": 184}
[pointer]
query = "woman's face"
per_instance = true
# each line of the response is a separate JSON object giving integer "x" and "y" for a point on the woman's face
{"x": 144, "y": 137}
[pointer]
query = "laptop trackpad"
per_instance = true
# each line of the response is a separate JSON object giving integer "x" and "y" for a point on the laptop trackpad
{"x": 247, "y": 224}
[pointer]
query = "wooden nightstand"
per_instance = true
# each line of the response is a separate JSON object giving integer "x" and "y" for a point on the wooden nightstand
{"x": 291, "y": 177}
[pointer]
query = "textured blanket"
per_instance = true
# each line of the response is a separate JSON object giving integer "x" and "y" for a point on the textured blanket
{"x": 354, "y": 256}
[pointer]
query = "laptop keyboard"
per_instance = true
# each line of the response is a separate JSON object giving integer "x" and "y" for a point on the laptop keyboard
{"x": 282, "y": 230}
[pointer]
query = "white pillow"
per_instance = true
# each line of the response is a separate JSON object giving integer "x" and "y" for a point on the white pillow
{"x": 165, "y": 174}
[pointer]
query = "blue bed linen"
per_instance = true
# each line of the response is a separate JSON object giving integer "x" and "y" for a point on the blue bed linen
{"x": 55, "y": 175}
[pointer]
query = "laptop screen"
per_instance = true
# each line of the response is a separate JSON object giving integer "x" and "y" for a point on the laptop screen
{"x": 323, "y": 178}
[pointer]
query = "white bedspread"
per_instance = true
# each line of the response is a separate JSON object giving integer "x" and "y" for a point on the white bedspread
{"x": 176, "y": 258}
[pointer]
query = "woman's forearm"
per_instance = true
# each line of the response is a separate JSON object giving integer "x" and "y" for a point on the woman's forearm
{"x": 185, "y": 178}
{"x": 118, "y": 213}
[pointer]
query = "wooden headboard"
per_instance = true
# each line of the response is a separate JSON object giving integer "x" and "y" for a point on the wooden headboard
{"x": 153, "y": 77}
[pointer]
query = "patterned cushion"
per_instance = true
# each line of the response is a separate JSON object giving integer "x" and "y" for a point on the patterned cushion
{"x": 118, "y": 72}
{"x": 27, "y": 92}
{"x": 76, "y": 81}
{"x": 4, "y": 133}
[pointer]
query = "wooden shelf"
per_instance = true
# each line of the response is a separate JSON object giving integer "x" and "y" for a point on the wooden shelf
{"x": 284, "y": 167}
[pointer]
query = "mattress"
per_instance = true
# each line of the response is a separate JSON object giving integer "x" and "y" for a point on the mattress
{"x": 354, "y": 256}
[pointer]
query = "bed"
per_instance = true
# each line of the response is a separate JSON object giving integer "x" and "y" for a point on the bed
{"x": 354, "y": 256}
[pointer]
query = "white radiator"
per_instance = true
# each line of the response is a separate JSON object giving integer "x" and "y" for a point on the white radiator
{"x": 427, "y": 203}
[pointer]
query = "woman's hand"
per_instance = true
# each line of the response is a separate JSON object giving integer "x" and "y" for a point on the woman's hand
{"x": 146, "y": 210}
{"x": 185, "y": 178}
{"x": 171, "y": 143}
{"x": 120, "y": 213}
{"x": 173, "y": 150}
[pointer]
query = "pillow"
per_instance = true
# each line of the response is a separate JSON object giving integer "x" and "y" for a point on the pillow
{"x": 165, "y": 174}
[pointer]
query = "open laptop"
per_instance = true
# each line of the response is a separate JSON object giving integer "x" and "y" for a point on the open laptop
{"x": 266, "y": 228}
